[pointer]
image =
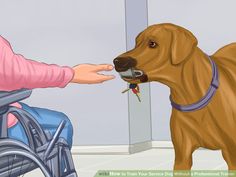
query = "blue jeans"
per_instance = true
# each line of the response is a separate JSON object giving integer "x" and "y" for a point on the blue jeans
{"x": 48, "y": 119}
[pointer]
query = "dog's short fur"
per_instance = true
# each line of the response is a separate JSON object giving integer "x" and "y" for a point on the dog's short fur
{"x": 177, "y": 62}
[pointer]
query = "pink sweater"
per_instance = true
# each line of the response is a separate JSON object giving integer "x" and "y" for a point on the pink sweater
{"x": 17, "y": 72}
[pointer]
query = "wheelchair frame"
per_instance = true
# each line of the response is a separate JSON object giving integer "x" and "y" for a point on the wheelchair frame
{"x": 49, "y": 153}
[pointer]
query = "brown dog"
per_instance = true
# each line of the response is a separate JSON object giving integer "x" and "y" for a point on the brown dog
{"x": 169, "y": 54}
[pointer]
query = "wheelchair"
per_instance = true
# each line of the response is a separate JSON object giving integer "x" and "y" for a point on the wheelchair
{"x": 48, "y": 153}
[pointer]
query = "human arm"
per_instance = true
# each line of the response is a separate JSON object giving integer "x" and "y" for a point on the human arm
{"x": 17, "y": 72}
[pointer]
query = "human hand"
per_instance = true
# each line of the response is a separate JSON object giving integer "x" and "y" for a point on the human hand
{"x": 88, "y": 73}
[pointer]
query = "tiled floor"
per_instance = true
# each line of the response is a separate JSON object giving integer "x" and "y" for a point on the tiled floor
{"x": 154, "y": 159}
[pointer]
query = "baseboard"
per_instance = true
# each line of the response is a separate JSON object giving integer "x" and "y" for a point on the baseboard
{"x": 138, "y": 147}
{"x": 120, "y": 149}
{"x": 162, "y": 144}
{"x": 93, "y": 150}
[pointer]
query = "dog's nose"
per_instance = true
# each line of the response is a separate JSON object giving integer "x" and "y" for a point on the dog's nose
{"x": 124, "y": 63}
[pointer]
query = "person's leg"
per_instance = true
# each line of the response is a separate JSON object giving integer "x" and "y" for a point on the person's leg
{"x": 48, "y": 119}
{"x": 17, "y": 132}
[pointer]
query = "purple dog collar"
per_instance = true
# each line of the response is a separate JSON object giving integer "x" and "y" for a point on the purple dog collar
{"x": 206, "y": 99}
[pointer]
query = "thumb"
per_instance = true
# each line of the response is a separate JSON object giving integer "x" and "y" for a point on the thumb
{"x": 103, "y": 78}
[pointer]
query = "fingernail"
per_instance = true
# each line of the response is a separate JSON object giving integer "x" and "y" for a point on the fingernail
{"x": 110, "y": 67}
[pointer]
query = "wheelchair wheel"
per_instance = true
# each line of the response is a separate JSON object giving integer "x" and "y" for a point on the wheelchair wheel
{"x": 16, "y": 159}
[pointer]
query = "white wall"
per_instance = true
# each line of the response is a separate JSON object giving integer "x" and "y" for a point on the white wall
{"x": 69, "y": 33}
{"x": 212, "y": 22}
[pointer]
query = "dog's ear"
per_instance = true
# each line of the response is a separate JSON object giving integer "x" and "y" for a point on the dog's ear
{"x": 183, "y": 44}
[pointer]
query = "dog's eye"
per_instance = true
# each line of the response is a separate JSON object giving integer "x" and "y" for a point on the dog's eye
{"x": 152, "y": 44}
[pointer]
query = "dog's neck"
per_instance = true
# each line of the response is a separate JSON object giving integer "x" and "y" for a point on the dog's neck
{"x": 193, "y": 81}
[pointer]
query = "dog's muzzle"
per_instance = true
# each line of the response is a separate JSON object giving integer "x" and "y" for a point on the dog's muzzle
{"x": 125, "y": 66}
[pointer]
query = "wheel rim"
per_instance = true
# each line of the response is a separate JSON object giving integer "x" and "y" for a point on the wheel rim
{"x": 20, "y": 161}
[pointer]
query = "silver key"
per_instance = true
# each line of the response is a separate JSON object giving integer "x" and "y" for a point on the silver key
{"x": 137, "y": 95}
{"x": 126, "y": 90}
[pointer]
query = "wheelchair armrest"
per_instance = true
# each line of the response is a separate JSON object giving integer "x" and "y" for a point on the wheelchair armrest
{"x": 7, "y": 98}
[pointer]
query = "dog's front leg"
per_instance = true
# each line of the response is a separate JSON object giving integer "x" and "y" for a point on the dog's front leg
{"x": 183, "y": 158}
{"x": 183, "y": 144}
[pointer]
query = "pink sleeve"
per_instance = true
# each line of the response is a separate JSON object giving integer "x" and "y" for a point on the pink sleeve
{"x": 17, "y": 72}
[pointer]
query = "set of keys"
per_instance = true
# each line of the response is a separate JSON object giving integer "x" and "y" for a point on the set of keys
{"x": 135, "y": 90}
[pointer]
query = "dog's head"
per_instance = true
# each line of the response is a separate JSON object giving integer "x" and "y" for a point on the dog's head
{"x": 159, "y": 50}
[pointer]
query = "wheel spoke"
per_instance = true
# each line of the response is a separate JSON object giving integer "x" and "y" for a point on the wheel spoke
{"x": 12, "y": 164}
{"x": 22, "y": 165}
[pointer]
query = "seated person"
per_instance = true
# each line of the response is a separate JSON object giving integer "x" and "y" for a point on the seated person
{"x": 17, "y": 72}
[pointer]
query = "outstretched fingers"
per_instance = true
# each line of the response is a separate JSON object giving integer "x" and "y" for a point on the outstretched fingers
{"x": 101, "y": 77}
{"x": 103, "y": 67}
